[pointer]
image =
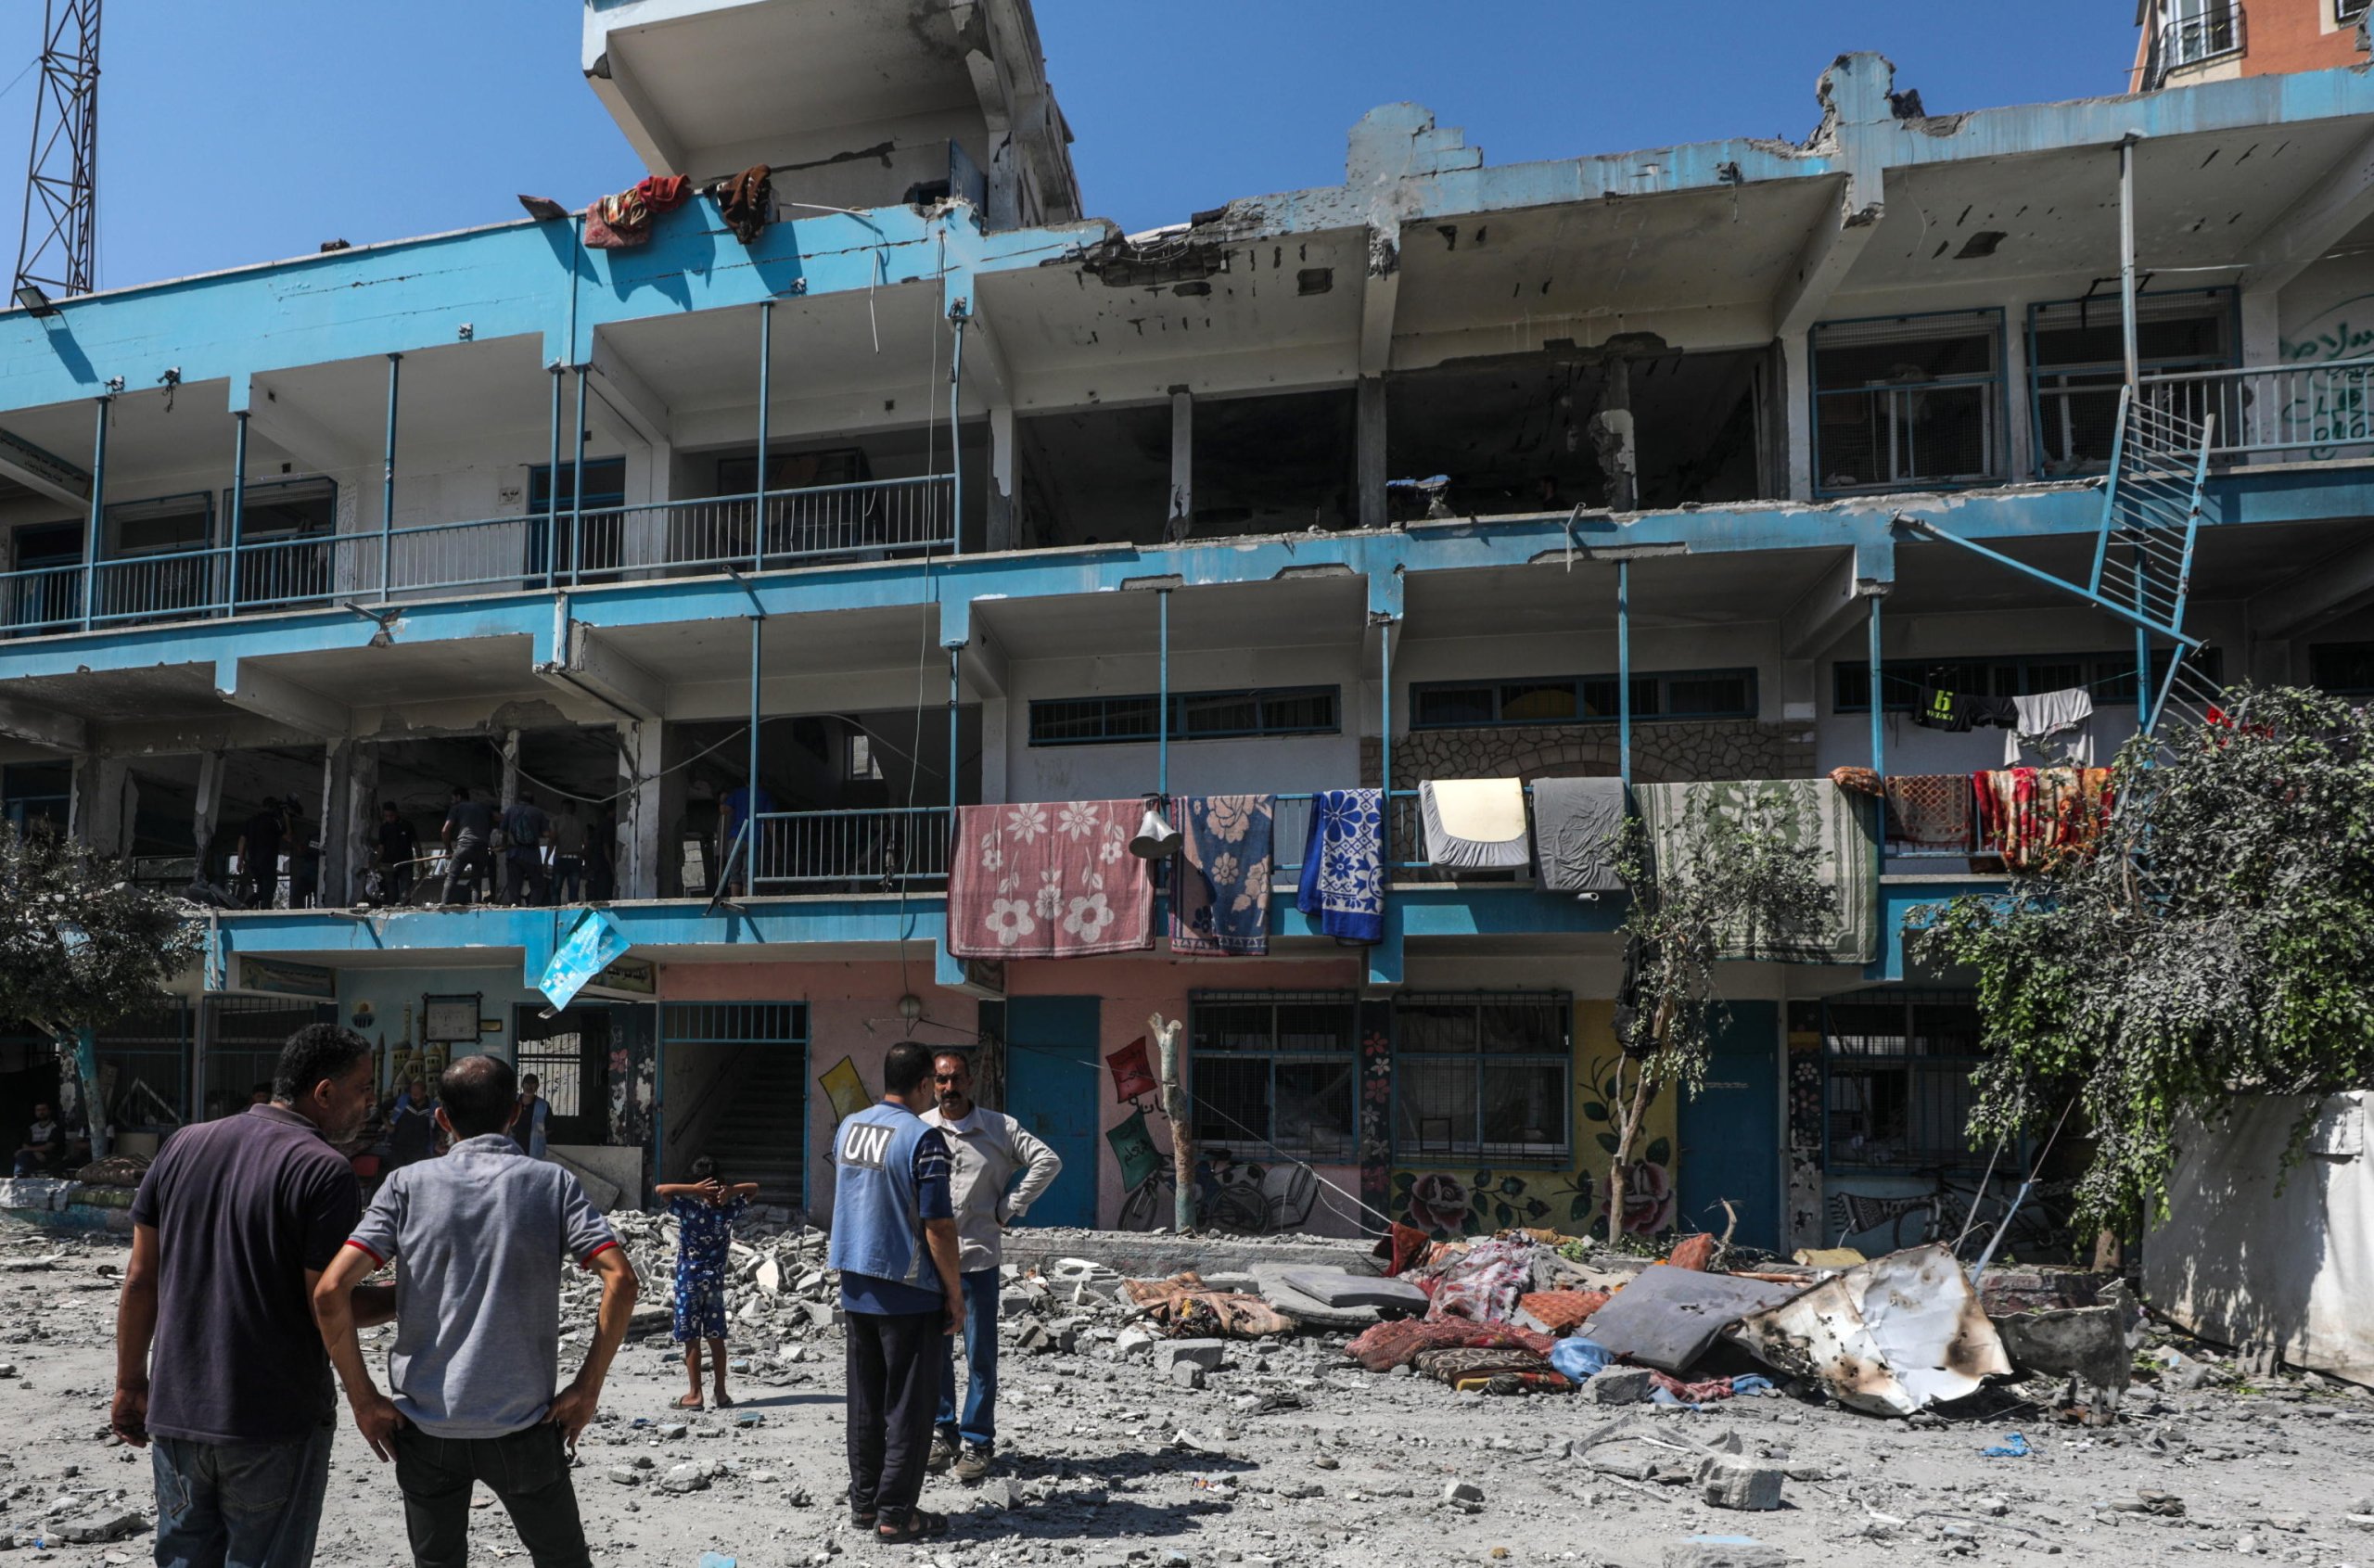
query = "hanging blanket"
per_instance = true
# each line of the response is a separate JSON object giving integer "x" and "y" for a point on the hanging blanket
{"x": 748, "y": 202}
{"x": 1474, "y": 825}
{"x": 1810, "y": 811}
{"x": 622, "y": 222}
{"x": 1343, "y": 864}
{"x": 1047, "y": 881}
{"x": 1578, "y": 833}
{"x": 1929, "y": 810}
{"x": 2033, "y": 817}
{"x": 1221, "y": 904}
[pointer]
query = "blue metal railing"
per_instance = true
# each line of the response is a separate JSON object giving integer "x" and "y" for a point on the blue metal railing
{"x": 876, "y": 518}
{"x": 851, "y": 851}
{"x": 2314, "y": 410}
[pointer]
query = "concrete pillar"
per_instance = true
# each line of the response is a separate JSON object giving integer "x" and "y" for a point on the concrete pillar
{"x": 1796, "y": 411}
{"x": 209, "y": 806}
{"x": 641, "y": 755}
{"x": 1181, "y": 523}
{"x": 508, "y": 796}
{"x": 335, "y": 835}
{"x": 1369, "y": 410}
{"x": 1612, "y": 438}
{"x": 993, "y": 753}
{"x": 2020, "y": 442}
{"x": 102, "y": 813}
{"x": 1000, "y": 518}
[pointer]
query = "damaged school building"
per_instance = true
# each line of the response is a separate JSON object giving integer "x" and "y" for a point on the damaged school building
{"x": 851, "y": 452}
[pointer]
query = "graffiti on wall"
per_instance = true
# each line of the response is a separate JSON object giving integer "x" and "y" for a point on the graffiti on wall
{"x": 1476, "y": 1201}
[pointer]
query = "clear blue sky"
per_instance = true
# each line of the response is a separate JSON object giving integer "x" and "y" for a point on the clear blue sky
{"x": 240, "y": 132}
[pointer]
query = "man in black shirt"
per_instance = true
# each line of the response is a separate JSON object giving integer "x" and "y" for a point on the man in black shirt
{"x": 398, "y": 846}
{"x": 527, "y": 828}
{"x": 260, "y": 839}
{"x": 467, "y": 835}
{"x": 230, "y": 1229}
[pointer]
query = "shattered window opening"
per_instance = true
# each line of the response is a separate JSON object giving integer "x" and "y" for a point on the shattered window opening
{"x": 1273, "y": 1071}
{"x": 2078, "y": 364}
{"x": 1897, "y": 1070}
{"x": 1482, "y": 1076}
{"x": 1911, "y": 400}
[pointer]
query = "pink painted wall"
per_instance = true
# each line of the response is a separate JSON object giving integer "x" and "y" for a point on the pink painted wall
{"x": 852, "y": 1013}
{"x": 1134, "y": 987}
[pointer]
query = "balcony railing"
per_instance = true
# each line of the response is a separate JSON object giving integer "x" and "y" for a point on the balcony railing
{"x": 866, "y": 851}
{"x": 2214, "y": 30}
{"x": 2316, "y": 411}
{"x": 871, "y": 520}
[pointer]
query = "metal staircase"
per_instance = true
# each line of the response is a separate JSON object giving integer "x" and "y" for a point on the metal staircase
{"x": 2142, "y": 569}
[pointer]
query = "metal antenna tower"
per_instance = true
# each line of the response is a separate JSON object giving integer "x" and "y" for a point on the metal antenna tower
{"x": 54, "y": 248}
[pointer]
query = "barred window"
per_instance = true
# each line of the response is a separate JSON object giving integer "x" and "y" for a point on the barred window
{"x": 1275, "y": 1072}
{"x": 1482, "y": 1076}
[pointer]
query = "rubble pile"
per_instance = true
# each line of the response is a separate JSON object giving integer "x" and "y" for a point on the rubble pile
{"x": 1137, "y": 1432}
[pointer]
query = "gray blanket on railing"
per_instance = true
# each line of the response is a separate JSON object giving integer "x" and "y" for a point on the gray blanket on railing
{"x": 1578, "y": 833}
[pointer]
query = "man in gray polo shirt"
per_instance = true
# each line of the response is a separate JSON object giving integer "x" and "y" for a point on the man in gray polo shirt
{"x": 477, "y": 1239}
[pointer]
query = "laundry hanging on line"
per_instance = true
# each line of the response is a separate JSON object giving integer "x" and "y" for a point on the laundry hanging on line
{"x": 746, "y": 202}
{"x": 1343, "y": 864}
{"x": 1221, "y": 899}
{"x": 1474, "y": 825}
{"x": 2048, "y": 715}
{"x": 623, "y": 222}
{"x": 1047, "y": 881}
{"x": 1941, "y": 708}
{"x": 2035, "y": 817}
{"x": 1578, "y": 833}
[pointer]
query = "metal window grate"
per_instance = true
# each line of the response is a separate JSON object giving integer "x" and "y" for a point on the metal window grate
{"x": 735, "y": 1023}
{"x": 1483, "y": 1074}
{"x": 1898, "y": 1091}
{"x": 1273, "y": 1071}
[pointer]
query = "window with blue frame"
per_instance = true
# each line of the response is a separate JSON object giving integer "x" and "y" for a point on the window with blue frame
{"x": 1290, "y": 710}
{"x": 284, "y": 539}
{"x": 1906, "y": 401}
{"x": 1274, "y": 1073}
{"x": 591, "y": 534}
{"x": 2109, "y": 676}
{"x": 1581, "y": 700}
{"x": 2077, "y": 361}
{"x": 156, "y": 556}
{"x": 1483, "y": 1076}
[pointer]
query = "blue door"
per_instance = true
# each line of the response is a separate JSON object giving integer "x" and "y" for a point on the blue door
{"x": 1053, "y": 1076}
{"x": 1730, "y": 1131}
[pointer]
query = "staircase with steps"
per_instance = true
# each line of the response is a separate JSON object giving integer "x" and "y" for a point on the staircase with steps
{"x": 761, "y": 1136}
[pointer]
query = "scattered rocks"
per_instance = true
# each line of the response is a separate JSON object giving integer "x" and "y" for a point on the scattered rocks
{"x": 1619, "y": 1385}
{"x": 1740, "y": 1484}
{"x": 1723, "y": 1551}
{"x": 97, "y": 1527}
{"x": 1204, "y": 1353}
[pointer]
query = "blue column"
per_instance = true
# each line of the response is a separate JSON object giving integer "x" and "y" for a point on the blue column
{"x": 957, "y": 316}
{"x": 954, "y": 691}
{"x": 239, "y": 506}
{"x": 750, "y": 783}
{"x": 577, "y": 488}
{"x": 387, "y": 484}
{"x": 766, "y": 403}
{"x": 1879, "y": 703}
{"x": 1162, "y": 702}
{"x": 1624, "y": 670}
{"x": 96, "y": 531}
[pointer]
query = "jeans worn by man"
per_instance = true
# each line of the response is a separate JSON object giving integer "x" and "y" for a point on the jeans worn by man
{"x": 231, "y": 1227}
{"x": 997, "y": 1171}
{"x": 477, "y": 1239}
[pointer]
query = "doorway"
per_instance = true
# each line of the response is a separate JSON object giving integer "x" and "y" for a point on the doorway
{"x": 1052, "y": 1074}
{"x": 1730, "y": 1131}
{"x": 569, "y": 1054}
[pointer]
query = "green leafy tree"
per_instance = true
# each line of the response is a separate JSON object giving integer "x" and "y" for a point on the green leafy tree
{"x": 1726, "y": 882}
{"x": 80, "y": 947}
{"x": 2215, "y": 942}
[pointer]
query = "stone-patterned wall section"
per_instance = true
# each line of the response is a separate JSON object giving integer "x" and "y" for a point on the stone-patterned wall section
{"x": 1670, "y": 751}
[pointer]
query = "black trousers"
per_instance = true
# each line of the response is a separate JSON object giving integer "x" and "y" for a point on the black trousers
{"x": 893, "y": 1370}
{"x": 527, "y": 1472}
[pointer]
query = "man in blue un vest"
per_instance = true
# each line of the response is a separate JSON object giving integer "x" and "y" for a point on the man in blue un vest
{"x": 894, "y": 1241}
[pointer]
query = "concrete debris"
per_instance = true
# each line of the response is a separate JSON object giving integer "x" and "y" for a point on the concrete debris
{"x": 1667, "y": 1318}
{"x": 1335, "y": 1288}
{"x": 107, "y": 1527}
{"x": 1619, "y": 1385}
{"x": 1890, "y": 1336}
{"x": 1723, "y": 1551}
{"x": 1202, "y": 1353}
{"x": 1740, "y": 1484}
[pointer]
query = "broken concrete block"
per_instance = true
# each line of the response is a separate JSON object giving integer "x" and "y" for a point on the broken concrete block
{"x": 1204, "y": 1353}
{"x": 112, "y": 1526}
{"x": 1186, "y": 1375}
{"x": 1135, "y": 1341}
{"x": 1723, "y": 1551}
{"x": 685, "y": 1477}
{"x": 1740, "y": 1484}
{"x": 1619, "y": 1385}
{"x": 621, "y": 1475}
{"x": 1462, "y": 1492}
{"x": 769, "y": 1278}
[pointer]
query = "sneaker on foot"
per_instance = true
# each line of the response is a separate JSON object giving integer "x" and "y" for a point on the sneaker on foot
{"x": 974, "y": 1463}
{"x": 943, "y": 1453}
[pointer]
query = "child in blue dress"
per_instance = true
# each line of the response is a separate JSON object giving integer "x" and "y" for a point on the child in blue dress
{"x": 706, "y": 1209}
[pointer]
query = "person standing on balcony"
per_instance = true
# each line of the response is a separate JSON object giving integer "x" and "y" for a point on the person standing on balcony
{"x": 529, "y": 832}
{"x": 398, "y": 846}
{"x": 894, "y": 1243}
{"x": 260, "y": 840}
{"x": 997, "y": 1171}
{"x": 470, "y": 829}
{"x": 734, "y": 856}
{"x": 569, "y": 854}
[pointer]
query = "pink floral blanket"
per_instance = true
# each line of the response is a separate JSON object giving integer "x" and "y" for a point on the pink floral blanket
{"x": 1041, "y": 880}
